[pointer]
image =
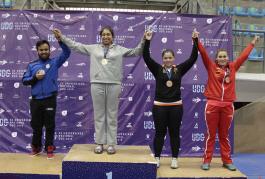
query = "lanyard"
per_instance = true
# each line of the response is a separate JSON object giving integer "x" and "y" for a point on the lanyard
{"x": 106, "y": 50}
{"x": 168, "y": 73}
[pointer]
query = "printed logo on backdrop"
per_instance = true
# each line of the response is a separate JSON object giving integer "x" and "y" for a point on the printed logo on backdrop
{"x": 148, "y": 76}
{"x": 198, "y": 88}
{"x": 169, "y": 31}
{"x": 148, "y": 125}
{"x": 196, "y": 115}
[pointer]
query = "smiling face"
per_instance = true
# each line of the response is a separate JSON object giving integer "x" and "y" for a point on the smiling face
{"x": 106, "y": 37}
{"x": 222, "y": 58}
{"x": 168, "y": 59}
{"x": 44, "y": 51}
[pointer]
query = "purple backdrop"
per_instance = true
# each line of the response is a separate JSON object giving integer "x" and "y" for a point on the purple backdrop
{"x": 21, "y": 29}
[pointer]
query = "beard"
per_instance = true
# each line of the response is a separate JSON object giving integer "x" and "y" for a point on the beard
{"x": 44, "y": 57}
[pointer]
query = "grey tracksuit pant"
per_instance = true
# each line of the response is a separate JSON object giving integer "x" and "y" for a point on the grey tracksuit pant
{"x": 105, "y": 99}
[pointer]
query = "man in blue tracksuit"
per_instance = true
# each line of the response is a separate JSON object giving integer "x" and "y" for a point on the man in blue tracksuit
{"x": 42, "y": 75}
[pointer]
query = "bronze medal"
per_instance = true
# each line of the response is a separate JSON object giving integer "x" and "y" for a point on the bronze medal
{"x": 169, "y": 83}
{"x": 227, "y": 79}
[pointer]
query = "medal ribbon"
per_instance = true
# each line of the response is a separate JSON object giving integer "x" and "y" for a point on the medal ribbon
{"x": 106, "y": 50}
{"x": 169, "y": 74}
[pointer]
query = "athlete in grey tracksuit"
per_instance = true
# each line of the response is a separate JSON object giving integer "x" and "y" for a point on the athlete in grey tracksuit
{"x": 105, "y": 78}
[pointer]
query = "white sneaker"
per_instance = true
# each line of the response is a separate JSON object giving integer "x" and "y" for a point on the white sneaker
{"x": 157, "y": 162}
{"x": 174, "y": 163}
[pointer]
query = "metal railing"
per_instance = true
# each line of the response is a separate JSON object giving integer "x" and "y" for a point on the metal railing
{"x": 242, "y": 37}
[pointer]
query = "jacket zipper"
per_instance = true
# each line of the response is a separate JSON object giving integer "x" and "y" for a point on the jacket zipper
{"x": 223, "y": 88}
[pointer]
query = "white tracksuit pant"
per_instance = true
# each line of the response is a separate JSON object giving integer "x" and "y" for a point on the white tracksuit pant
{"x": 105, "y": 99}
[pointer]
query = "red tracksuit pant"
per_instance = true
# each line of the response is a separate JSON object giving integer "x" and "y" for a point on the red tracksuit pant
{"x": 218, "y": 119}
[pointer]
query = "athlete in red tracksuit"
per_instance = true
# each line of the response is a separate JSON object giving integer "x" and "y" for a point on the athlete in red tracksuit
{"x": 220, "y": 94}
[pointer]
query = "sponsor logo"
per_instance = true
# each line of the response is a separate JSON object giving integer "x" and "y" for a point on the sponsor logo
{"x": 195, "y": 149}
{"x": 197, "y": 137}
{"x": 6, "y": 15}
{"x": 67, "y": 16}
{"x": 64, "y": 113}
{"x": 149, "y": 125}
{"x": 129, "y": 114}
{"x": 209, "y": 20}
{"x": 196, "y": 100}
{"x": 149, "y": 18}
{"x": 148, "y": 113}
{"x": 16, "y": 85}
{"x": 115, "y": 17}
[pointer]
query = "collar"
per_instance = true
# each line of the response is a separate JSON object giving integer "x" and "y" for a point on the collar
{"x": 111, "y": 46}
{"x": 222, "y": 67}
{"x": 173, "y": 66}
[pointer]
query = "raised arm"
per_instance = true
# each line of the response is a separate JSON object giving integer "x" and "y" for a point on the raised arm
{"x": 245, "y": 53}
{"x": 64, "y": 54}
{"x": 151, "y": 64}
{"x": 76, "y": 46}
{"x": 186, "y": 65}
{"x": 205, "y": 58}
{"x": 132, "y": 52}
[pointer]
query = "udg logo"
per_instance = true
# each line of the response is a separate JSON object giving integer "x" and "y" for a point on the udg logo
{"x": 153, "y": 28}
{"x": 198, "y": 88}
{"x": 149, "y": 125}
{"x": 5, "y": 73}
{"x": 51, "y": 38}
{"x": 3, "y": 122}
{"x": 7, "y": 25}
{"x": 197, "y": 137}
{"x": 148, "y": 76}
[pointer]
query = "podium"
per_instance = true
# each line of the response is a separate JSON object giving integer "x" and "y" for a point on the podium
{"x": 24, "y": 166}
{"x": 189, "y": 168}
{"x": 130, "y": 162}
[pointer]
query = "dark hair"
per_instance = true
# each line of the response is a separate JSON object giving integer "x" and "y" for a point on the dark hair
{"x": 41, "y": 42}
{"x": 220, "y": 50}
{"x": 168, "y": 51}
{"x": 107, "y": 28}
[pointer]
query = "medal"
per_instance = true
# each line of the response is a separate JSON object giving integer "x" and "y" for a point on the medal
{"x": 227, "y": 73}
{"x": 227, "y": 79}
{"x": 169, "y": 83}
{"x": 104, "y": 61}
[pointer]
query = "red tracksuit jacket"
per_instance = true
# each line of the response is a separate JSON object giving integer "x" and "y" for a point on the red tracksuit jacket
{"x": 216, "y": 88}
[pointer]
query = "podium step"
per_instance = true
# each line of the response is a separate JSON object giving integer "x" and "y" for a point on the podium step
{"x": 24, "y": 166}
{"x": 190, "y": 168}
{"x": 130, "y": 162}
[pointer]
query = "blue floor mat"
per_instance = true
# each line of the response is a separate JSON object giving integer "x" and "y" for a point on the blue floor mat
{"x": 252, "y": 165}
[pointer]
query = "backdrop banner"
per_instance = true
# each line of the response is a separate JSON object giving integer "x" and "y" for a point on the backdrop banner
{"x": 20, "y": 30}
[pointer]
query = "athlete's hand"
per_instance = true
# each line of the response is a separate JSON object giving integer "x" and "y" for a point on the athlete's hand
{"x": 195, "y": 33}
{"x": 148, "y": 35}
{"x": 255, "y": 40}
{"x": 57, "y": 33}
{"x": 40, "y": 74}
